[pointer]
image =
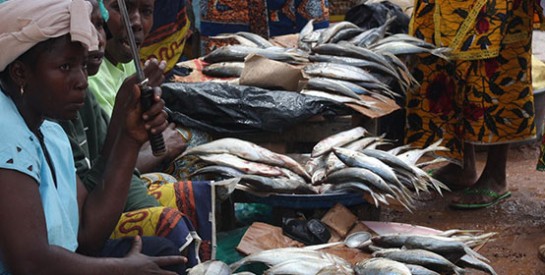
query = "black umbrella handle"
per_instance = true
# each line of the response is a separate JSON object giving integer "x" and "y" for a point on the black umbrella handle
{"x": 156, "y": 140}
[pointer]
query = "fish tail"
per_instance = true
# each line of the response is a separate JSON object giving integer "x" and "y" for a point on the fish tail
{"x": 475, "y": 254}
{"x": 459, "y": 271}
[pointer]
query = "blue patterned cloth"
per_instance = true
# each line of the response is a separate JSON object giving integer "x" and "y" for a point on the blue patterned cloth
{"x": 267, "y": 18}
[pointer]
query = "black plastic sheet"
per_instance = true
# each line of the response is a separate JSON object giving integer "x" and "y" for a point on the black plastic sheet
{"x": 226, "y": 108}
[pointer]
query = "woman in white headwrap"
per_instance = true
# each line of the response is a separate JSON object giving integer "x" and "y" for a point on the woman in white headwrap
{"x": 46, "y": 213}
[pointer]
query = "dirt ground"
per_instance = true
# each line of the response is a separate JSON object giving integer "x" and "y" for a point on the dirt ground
{"x": 519, "y": 221}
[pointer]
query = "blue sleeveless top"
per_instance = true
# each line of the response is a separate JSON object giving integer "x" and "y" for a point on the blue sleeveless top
{"x": 20, "y": 150}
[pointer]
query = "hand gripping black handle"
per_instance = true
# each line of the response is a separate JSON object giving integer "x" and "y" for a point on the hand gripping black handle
{"x": 156, "y": 140}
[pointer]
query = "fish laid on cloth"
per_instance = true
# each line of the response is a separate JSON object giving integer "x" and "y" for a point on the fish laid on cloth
{"x": 295, "y": 261}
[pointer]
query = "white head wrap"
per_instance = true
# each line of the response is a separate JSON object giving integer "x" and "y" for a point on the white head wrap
{"x": 26, "y": 23}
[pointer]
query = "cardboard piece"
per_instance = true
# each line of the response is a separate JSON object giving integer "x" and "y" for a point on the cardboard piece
{"x": 340, "y": 219}
{"x": 286, "y": 41}
{"x": 383, "y": 107}
{"x": 262, "y": 72}
{"x": 262, "y": 236}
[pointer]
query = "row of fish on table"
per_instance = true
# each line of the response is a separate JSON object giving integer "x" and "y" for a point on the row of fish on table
{"x": 341, "y": 62}
{"x": 448, "y": 252}
{"x": 344, "y": 162}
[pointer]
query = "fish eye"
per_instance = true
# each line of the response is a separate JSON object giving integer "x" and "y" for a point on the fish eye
{"x": 65, "y": 67}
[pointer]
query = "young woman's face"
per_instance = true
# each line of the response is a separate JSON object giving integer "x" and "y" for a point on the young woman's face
{"x": 56, "y": 80}
{"x": 95, "y": 57}
{"x": 141, "y": 17}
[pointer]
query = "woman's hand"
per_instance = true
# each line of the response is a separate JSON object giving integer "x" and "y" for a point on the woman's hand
{"x": 154, "y": 71}
{"x": 138, "y": 263}
{"x": 174, "y": 142}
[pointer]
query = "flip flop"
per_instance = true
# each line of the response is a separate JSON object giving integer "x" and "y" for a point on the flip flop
{"x": 541, "y": 252}
{"x": 495, "y": 198}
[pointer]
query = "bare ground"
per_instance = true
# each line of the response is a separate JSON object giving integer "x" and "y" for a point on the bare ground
{"x": 519, "y": 221}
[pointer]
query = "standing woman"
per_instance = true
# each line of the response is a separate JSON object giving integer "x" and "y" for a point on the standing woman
{"x": 482, "y": 96}
{"x": 48, "y": 213}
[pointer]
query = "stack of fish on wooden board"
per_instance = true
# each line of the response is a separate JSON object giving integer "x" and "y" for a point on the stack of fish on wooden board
{"x": 341, "y": 163}
{"x": 342, "y": 61}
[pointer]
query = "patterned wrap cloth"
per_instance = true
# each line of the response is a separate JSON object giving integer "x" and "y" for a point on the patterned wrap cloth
{"x": 183, "y": 217}
{"x": 264, "y": 17}
{"x": 484, "y": 94}
{"x": 167, "y": 38}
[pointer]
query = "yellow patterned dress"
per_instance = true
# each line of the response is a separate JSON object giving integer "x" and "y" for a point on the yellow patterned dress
{"x": 483, "y": 95}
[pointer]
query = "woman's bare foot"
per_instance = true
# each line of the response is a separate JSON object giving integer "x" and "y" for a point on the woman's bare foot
{"x": 455, "y": 177}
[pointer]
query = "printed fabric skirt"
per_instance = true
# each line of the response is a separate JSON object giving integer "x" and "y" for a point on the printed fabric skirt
{"x": 480, "y": 96}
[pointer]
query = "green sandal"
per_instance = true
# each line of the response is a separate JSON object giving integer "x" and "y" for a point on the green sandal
{"x": 494, "y": 198}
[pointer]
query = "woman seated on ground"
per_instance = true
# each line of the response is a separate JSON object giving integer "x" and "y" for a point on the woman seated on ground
{"x": 158, "y": 215}
{"x": 117, "y": 65}
{"x": 51, "y": 214}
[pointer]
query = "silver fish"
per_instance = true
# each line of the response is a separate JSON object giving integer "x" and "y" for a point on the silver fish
{"x": 338, "y": 98}
{"x": 339, "y": 71}
{"x": 412, "y": 156}
{"x": 305, "y": 32}
{"x": 405, "y": 38}
{"x": 418, "y": 178}
{"x": 248, "y": 167}
{"x": 358, "y": 186}
{"x": 331, "y": 85}
{"x": 315, "y": 163}
{"x": 446, "y": 247}
{"x": 421, "y": 257}
{"x": 240, "y": 39}
{"x": 276, "y": 256}
{"x": 381, "y": 266}
{"x": 338, "y": 139}
{"x": 224, "y": 171}
{"x": 278, "y": 185}
{"x": 210, "y": 267}
{"x": 420, "y": 270}
{"x": 404, "y": 48}
{"x": 257, "y": 39}
{"x": 367, "y": 54}
{"x": 224, "y": 69}
{"x": 308, "y": 266}
{"x": 248, "y": 151}
{"x": 239, "y": 53}
{"x": 375, "y": 34}
{"x": 471, "y": 262}
{"x": 345, "y": 34}
{"x": 329, "y": 32}
{"x": 355, "y": 174}
{"x": 364, "y": 142}
{"x": 358, "y": 159}
{"x": 353, "y": 61}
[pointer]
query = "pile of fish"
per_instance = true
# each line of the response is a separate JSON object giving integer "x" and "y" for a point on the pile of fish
{"x": 445, "y": 253}
{"x": 449, "y": 252}
{"x": 341, "y": 163}
{"x": 341, "y": 62}
{"x": 351, "y": 161}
